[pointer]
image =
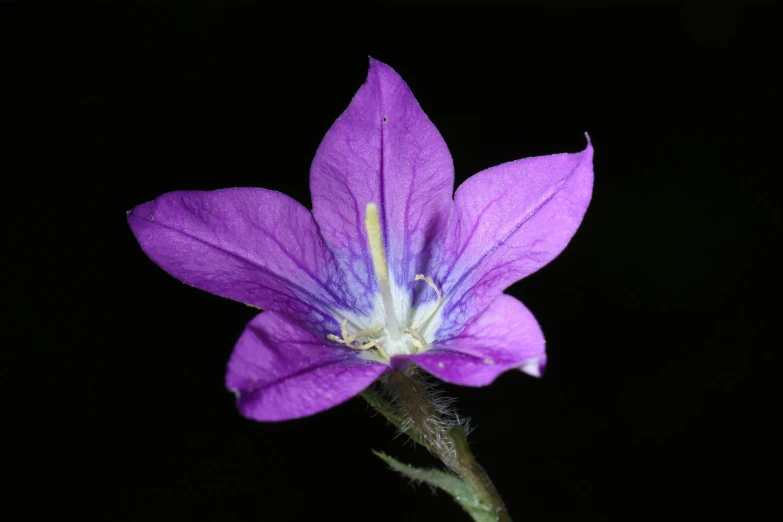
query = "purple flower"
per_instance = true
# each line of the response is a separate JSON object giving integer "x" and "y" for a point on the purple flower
{"x": 386, "y": 271}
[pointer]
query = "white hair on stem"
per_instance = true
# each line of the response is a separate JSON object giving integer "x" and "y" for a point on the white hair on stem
{"x": 424, "y": 410}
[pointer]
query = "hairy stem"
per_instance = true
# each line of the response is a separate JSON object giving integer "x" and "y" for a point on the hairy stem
{"x": 446, "y": 439}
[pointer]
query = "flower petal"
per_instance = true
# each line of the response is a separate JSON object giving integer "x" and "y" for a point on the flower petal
{"x": 382, "y": 149}
{"x": 504, "y": 336}
{"x": 508, "y": 222}
{"x": 256, "y": 246}
{"x": 281, "y": 371}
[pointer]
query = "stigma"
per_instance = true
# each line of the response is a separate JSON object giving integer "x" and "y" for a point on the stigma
{"x": 379, "y": 335}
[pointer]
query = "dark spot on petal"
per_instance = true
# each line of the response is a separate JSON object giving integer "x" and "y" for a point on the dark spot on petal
{"x": 384, "y": 119}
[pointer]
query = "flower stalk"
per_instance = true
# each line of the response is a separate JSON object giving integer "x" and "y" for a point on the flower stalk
{"x": 425, "y": 417}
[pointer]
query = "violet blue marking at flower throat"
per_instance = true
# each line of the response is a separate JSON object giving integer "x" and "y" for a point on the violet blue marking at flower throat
{"x": 388, "y": 269}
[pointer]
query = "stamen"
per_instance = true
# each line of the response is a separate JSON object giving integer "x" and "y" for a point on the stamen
{"x": 344, "y": 328}
{"x": 366, "y": 346}
{"x": 373, "y": 226}
{"x": 382, "y": 351}
{"x": 418, "y": 340}
{"x": 421, "y": 277}
{"x": 348, "y": 340}
{"x": 363, "y": 333}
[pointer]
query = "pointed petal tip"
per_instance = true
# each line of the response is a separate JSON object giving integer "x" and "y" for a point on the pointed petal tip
{"x": 535, "y": 367}
{"x": 588, "y": 152}
{"x": 376, "y": 63}
{"x": 380, "y": 68}
{"x": 589, "y": 147}
{"x": 373, "y": 65}
{"x": 141, "y": 211}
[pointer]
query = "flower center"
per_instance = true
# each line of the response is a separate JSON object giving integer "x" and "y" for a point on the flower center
{"x": 406, "y": 340}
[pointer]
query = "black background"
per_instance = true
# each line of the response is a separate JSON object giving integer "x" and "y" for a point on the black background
{"x": 657, "y": 402}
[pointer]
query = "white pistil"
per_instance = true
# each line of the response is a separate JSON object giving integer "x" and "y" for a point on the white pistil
{"x": 373, "y": 226}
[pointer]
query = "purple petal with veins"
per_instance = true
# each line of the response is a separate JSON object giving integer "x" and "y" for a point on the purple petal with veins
{"x": 504, "y": 336}
{"x": 279, "y": 370}
{"x": 253, "y": 245}
{"x": 508, "y": 222}
{"x": 382, "y": 149}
